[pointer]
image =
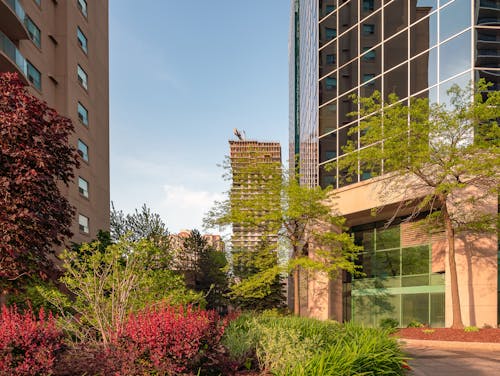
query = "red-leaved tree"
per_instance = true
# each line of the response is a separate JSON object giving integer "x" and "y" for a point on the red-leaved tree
{"x": 35, "y": 159}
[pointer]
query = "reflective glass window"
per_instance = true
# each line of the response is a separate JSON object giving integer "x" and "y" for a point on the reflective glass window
{"x": 368, "y": 5}
{"x": 421, "y": 9}
{"x": 82, "y": 77}
{"x": 82, "y": 5}
{"x": 34, "y": 75}
{"x": 348, "y": 46}
{"x": 330, "y": 59}
{"x": 416, "y": 260}
{"x": 454, "y": 18}
{"x": 83, "y": 223}
{"x": 396, "y": 50}
{"x": 415, "y": 307}
{"x": 368, "y": 29}
{"x": 348, "y": 15}
{"x": 83, "y": 114}
{"x": 348, "y": 77}
{"x": 33, "y": 31}
{"x": 396, "y": 81}
{"x": 455, "y": 56}
{"x": 82, "y": 39}
{"x": 83, "y": 150}
{"x": 388, "y": 238}
{"x": 396, "y": 17}
{"x": 423, "y": 71}
{"x": 330, "y": 33}
{"x": 370, "y": 54}
{"x": 331, "y": 83}
{"x": 423, "y": 35}
{"x": 83, "y": 187}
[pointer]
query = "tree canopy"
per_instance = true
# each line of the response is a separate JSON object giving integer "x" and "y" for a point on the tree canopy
{"x": 36, "y": 159}
{"x": 440, "y": 159}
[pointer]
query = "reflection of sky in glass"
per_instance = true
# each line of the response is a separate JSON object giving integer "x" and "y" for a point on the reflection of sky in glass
{"x": 463, "y": 80}
{"x": 455, "y": 56}
{"x": 427, "y": 3}
{"x": 454, "y": 18}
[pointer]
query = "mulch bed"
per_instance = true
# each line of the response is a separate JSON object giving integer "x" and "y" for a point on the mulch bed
{"x": 447, "y": 334}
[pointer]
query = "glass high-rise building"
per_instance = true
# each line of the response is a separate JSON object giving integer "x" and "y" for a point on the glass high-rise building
{"x": 413, "y": 48}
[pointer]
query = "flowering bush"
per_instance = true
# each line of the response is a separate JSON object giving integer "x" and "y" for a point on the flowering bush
{"x": 168, "y": 341}
{"x": 28, "y": 344}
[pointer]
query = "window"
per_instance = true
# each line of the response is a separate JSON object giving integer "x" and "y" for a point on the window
{"x": 330, "y": 33}
{"x": 368, "y": 5}
{"x": 83, "y": 223}
{"x": 370, "y": 55}
{"x": 368, "y": 29}
{"x": 34, "y": 75}
{"x": 82, "y": 77}
{"x": 33, "y": 31}
{"x": 82, "y": 5}
{"x": 331, "y": 83}
{"x": 83, "y": 114}
{"x": 330, "y": 154}
{"x": 368, "y": 77}
{"x": 329, "y": 9}
{"x": 83, "y": 150}
{"x": 82, "y": 39}
{"x": 330, "y": 59}
{"x": 83, "y": 187}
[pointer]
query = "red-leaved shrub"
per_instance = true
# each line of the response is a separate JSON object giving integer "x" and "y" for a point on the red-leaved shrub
{"x": 167, "y": 341}
{"x": 28, "y": 344}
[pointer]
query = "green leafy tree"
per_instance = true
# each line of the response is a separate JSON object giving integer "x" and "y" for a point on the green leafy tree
{"x": 205, "y": 269}
{"x": 281, "y": 210}
{"x": 142, "y": 224}
{"x": 106, "y": 284}
{"x": 439, "y": 159}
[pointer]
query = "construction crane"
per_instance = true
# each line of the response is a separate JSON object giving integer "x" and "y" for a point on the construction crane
{"x": 240, "y": 135}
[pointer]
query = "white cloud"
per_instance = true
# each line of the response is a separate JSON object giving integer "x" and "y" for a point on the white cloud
{"x": 185, "y": 207}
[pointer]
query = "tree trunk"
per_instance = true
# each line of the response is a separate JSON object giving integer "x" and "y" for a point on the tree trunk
{"x": 455, "y": 297}
{"x": 3, "y": 297}
{"x": 296, "y": 290}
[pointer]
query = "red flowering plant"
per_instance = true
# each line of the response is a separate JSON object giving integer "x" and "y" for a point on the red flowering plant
{"x": 169, "y": 340}
{"x": 28, "y": 344}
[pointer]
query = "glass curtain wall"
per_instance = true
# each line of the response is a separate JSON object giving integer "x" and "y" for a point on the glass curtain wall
{"x": 398, "y": 280}
{"x": 408, "y": 47}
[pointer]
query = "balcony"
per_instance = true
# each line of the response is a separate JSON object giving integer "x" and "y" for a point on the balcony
{"x": 11, "y": 59}
{"x": 12, "y": 17}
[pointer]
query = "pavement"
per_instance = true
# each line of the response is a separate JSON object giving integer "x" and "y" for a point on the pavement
{"x": 438, "y": 358}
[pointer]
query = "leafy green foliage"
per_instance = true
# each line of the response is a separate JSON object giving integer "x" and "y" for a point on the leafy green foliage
{"x": 469, "y": 329}
{"x": 389, "y": 323}
{"x": 107, "y": 284}
{"x": 265, "y": 200}
{"x": 441, "y": 161}
{"x": 300, "y": 346}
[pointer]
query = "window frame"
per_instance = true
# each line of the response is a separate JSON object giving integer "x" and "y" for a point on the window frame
{"x": 30, "y": 66}
{"x": 83, "y": 119}
{"x": 84, "y": 81}
{"x": 83, "y": 227}
{"x": 84, "y": 154}
{"x": 29, "y": 22}
{"x": 83, "y": 46}
{"x": 83, "y": 7}
{"x": 83, "y": 190}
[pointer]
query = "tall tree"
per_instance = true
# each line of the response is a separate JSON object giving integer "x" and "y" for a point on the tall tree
{"x": 204, "y": 269}
{"x": 142, "y": 224}
{"x": 36, "y": 159}
{"x": 301, "y": 218}
{"x": 440, "y": 159}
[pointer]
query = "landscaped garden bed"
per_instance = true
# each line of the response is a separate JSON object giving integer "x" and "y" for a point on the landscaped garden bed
{"x": 470, "y": 334}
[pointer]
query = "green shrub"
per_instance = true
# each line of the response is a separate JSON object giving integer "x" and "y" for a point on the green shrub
{"x": 469, "y": 329}
{"x": 301, "y": 346}
{"x": 428, "y": 331}
{"x": 389, "y": 323}
{"x": 415, "y": 324}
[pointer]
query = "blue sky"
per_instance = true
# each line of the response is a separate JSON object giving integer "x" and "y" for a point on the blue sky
{"x": 183, "y": 74}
